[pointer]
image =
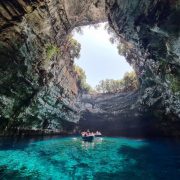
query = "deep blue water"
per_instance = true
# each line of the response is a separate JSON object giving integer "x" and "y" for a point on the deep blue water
{"x": 104, "y": 159}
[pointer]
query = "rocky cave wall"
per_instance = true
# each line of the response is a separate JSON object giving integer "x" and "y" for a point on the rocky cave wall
{"x": 117, "y": 114}
{"x": 150, "y": 32}
{"x": 38, "y": 86}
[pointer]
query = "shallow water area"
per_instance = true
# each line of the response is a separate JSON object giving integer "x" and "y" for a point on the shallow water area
{"x": 105, "y": 158}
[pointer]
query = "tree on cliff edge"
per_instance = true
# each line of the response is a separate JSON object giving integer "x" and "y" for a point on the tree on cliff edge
{"x": 128, "y": 83}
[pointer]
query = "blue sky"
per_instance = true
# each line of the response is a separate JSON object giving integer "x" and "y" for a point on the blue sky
{"x": 99, "y": 58}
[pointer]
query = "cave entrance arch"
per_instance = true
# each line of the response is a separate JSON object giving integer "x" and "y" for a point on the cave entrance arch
{"x": 99, "y": 57}
{"x": 33, "y": 69}
{"x": 111, "y": 113}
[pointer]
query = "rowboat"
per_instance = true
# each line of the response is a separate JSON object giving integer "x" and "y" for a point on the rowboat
{"x": 88, "y": 138}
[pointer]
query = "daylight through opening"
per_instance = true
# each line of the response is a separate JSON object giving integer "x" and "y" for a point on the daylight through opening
{"x": 104, "y": 67}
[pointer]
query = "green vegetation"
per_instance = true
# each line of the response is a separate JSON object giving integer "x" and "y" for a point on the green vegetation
{"x": 81, "y": 76}
{"x": 122, "y": 49}
{"x": 122, "y": 46}
{"x": 51, "y": 50}
{"x": 74, "y": 48}
{"x": 114, "y": 39}
{"x": 174, "y": 83}
{"x": 128, "y": 83}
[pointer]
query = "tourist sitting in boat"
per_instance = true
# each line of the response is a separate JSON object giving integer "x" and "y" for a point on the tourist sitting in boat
{"x": 87, "y": 136}
{"x": 98, "y": 134}
{"x": 84, "y": 134}
{"x": 87, "y": 133}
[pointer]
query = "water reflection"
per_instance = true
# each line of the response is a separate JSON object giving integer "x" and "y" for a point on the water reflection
{"x": 99, "y": 140}
{"x": 91, "y": 145}
{"x": 87, "y": 145}
{"x": 74, "y": 138}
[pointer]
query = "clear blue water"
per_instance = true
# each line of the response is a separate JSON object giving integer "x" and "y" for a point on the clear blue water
{"x": 104, "y": 159}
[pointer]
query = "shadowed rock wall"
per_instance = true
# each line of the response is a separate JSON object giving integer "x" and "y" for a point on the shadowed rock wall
{"x": 117, "y": 115}
{"x": 150, "y": 33}
{"x": 38, "y": 85}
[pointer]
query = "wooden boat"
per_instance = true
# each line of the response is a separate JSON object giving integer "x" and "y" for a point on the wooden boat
{"x": 99, "y": 135}
{"x": 88, "y": 138}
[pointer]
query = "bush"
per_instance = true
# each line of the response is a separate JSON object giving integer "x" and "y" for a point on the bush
{"x": 51, "y": 50}
{"x": 128, "y": 83}
{"x": 74, "y": 48}
{"x": 174, "y": 83}
{"x": 84, "y": 86}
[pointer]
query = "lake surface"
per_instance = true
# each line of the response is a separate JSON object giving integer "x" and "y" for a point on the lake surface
{"x": 104, "y": 159}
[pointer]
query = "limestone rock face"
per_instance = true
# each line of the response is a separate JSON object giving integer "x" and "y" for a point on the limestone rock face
{"x": 150, "y": 32}
{"x": 117, "y": 114}
{"x": 84, "y": 12}
{"x": 38, "y": 87}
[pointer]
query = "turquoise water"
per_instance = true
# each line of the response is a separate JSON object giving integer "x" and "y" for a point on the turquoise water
{"x": 104, "y": 159}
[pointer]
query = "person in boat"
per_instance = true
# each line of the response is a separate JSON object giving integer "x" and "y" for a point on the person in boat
{"x": 87, "y": 133}
{"x": 98, "y": 133}
{"x": 91, "y": 134}
{"x": 83, "y": 133}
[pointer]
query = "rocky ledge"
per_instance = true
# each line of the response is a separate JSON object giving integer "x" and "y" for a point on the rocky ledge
{"x": 117, "y": 115}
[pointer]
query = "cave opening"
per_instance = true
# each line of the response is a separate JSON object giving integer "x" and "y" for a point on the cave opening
{"x": 40, "y": 93}
{"x": 102, "y": 61}
{"x": 37, "y": 76}
{"x": 108, "y": 82}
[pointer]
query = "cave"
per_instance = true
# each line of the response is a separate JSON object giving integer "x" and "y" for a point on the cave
{"x": 39, "y": 93}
